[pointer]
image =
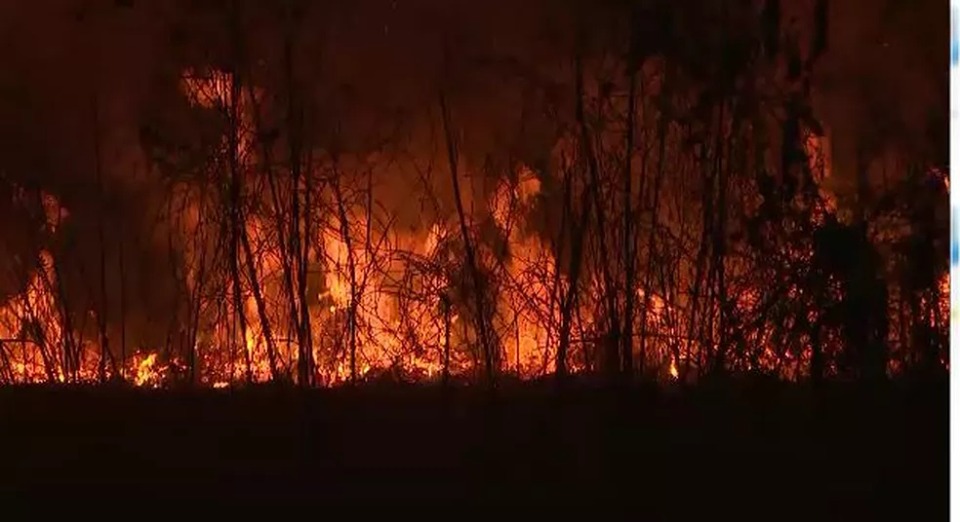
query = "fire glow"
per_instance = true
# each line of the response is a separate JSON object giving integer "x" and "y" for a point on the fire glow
{"x": 310, "y": 280}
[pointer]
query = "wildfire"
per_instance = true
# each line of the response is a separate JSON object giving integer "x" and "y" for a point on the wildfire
{"x": 363, "y": 297}
{"x": 147, "y": 372}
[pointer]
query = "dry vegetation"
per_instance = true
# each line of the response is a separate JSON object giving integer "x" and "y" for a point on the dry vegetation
{"x": 633, "y": 190}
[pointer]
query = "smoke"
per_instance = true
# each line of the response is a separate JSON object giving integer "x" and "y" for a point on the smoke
{"x": 81, "y": 79}
{"x": 882, "y": 86}
{"x": 74, "y": 77}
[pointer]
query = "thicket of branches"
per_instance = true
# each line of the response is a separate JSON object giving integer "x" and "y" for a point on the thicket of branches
{"x": 679, "y": 222}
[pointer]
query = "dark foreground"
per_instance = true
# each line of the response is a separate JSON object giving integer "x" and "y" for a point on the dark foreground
{"x": 768, "y": 450}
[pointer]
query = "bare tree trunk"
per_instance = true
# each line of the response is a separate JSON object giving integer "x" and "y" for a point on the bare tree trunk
{"x": 236, "y": 220}
{"x": 240, "y": 239}
{"x": 71, "y": 353}
{"x": 69, "y": 361}
{"x": 306, "y": 335}
{"x": 478, "y": 287}
{"x": 351, "y": 268}
{"x": 580, "y": 227}
{"x": 102, "y": 313}
{"x": 719, "y": 242}
{"x": 301, "y": 243}
{"x": 611, "y": 344}
{"x": 194, "y": 326}
{"x": 265, "y": 328}
{"x": 238, "y": 308}
{"x": 569, "y": 301}
{"x": 652, "y": 235}
{"x": 629, "y": 254}
{"x": 123, "y": 307}
{"x": 288, "y": 256}
{"x": 445, "y": 303}
{"x": 696, "y": 290}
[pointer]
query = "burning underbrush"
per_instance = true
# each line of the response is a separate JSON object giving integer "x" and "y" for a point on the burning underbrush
{"x": 363, "y": 301}
{"x": 665, "y": 228}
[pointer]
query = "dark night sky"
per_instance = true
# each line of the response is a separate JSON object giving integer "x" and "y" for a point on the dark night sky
{"x": 60, "y": 51}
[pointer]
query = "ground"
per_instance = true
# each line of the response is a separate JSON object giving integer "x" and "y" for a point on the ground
{"x": 773, "y": 450}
